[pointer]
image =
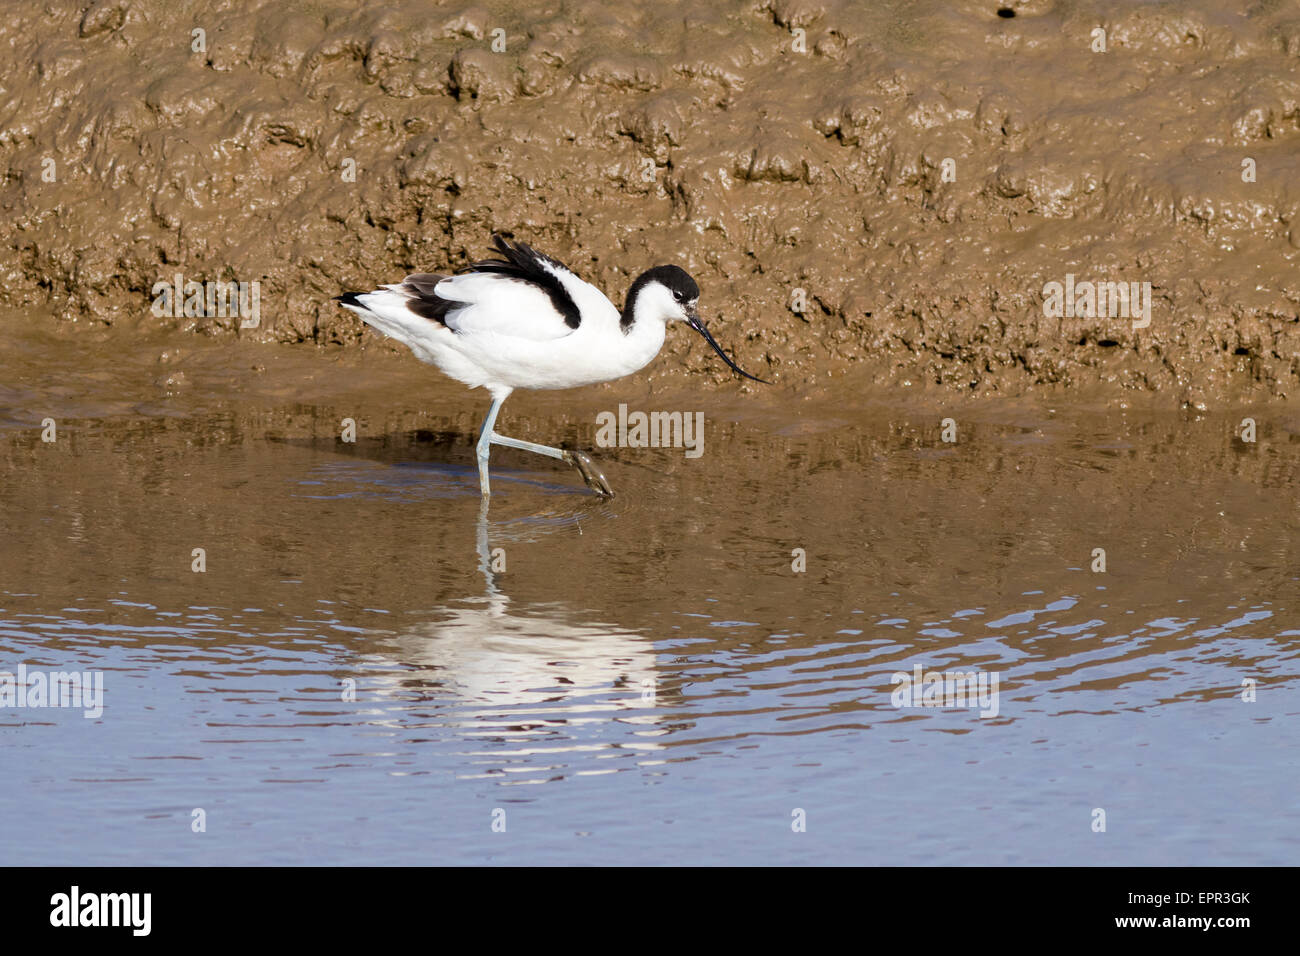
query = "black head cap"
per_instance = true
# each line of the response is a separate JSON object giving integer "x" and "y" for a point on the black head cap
{"x": 677, "y": 280}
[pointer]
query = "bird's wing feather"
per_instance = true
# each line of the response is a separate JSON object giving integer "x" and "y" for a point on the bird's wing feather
{"x": 418, "y": 291}
{"x": 484, "y": 302}
{"x": 524, "y": 263}
{"x": 525, "y": 295}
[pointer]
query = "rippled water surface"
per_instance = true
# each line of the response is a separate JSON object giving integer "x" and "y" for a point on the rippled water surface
{"x": 647, "y": 679}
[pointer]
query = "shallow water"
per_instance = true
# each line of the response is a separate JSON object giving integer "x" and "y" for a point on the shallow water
{"x": 646, "y": 679}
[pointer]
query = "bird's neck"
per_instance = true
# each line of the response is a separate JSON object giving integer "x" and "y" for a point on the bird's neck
{"x": 636, "y": 308}
{"x": 627, "y": 322}
{"x": 642, "y": 337}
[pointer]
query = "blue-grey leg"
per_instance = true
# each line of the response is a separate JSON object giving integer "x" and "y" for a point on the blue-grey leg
{"x": 590, "y": 472}
{"x": 485, "y": 444}
{"x": 528, "y": 446}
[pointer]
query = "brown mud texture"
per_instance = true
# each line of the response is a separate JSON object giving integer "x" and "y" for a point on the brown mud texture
{"x": 889, "y": 185}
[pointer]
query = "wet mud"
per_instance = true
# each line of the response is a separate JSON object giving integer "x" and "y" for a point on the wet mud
{"x": 878, "y": 193}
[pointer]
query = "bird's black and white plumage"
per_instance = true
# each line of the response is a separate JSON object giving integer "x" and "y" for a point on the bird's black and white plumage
{"x": 525, "y": 320}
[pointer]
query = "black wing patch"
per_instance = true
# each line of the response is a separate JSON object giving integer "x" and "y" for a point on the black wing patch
{"x": 423, "y": 301}
{"x": 521, "y": 263}
{"x": 525, "y": 263}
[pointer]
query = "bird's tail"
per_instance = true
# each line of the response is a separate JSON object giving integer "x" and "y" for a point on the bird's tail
{"x": 401, "y": 311}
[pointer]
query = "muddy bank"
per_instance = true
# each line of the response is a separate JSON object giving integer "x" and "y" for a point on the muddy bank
{"x": 889, "y": 186}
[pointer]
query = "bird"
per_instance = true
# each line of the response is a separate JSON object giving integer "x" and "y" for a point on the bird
{"x": 524, "y": 320}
